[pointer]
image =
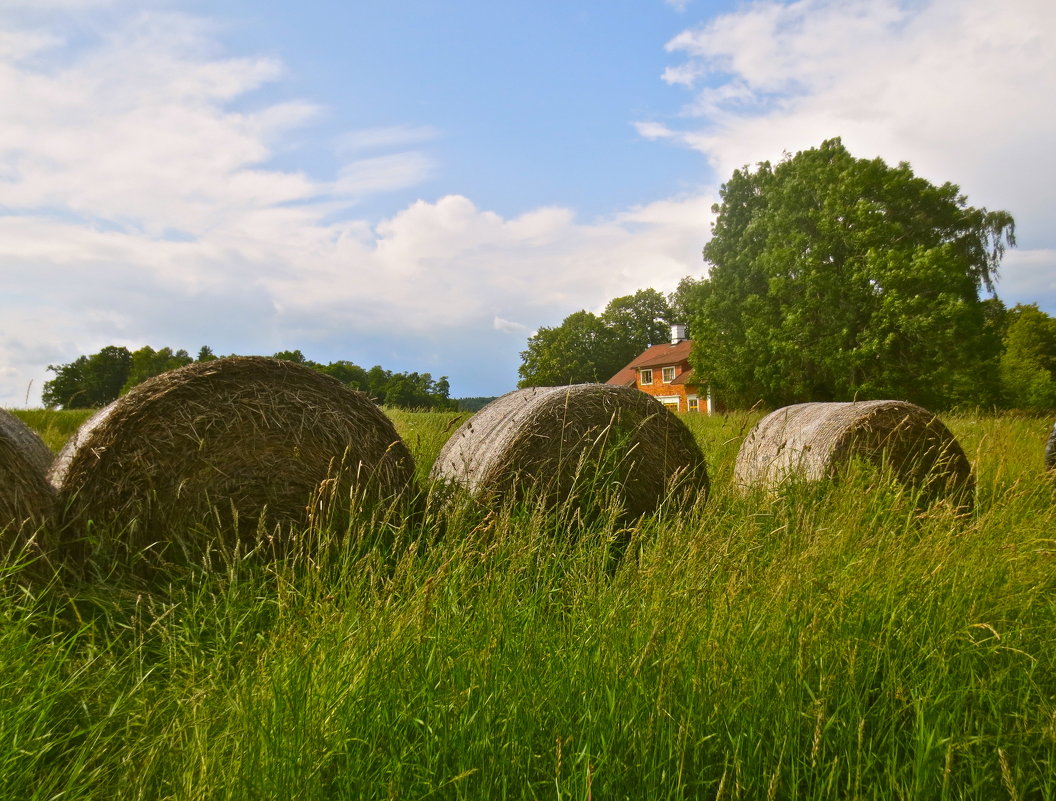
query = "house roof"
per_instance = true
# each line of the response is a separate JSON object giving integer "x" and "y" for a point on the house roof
{"x": 684, "y": 378}
{"x": 661, "y": 355}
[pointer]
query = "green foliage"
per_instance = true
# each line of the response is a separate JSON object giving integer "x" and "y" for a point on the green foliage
{"x": 405, "y": 390}
{"x": 349, "y": 374}
{"x": 635, "y": 322}
{"x": 474, "y": 404}
{"x": 55, "y": 426}
{"x": 147, "y": 363}
{"x": 830, "y": 642}
{"x": 292, "y": 356}
{"x": 834, "y": 278}
{"x": 578, "y": 351}
{"x": 93, "y": 381}
{"x": 88, "y": 381}
{"x": 1028, "y": 363}
{"x": 587, "y": 348}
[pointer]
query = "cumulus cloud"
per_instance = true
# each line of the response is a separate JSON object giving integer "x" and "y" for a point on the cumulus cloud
{"x": 959, "y": 88}
{"x": 953, "y": 86}
{"x": 140, "y": 204}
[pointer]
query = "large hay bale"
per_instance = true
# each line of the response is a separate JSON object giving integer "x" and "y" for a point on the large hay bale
{"x": 245, "y": 439}
{"x": 25, "y": 494}
{"x": 813, "y": 441}
{"x": 582, "y": 442}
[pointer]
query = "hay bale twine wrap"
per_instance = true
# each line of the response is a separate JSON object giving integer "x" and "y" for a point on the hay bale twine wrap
{"x": 251, "y": 439}
{"x": 25, "y": 494}
{"x": 814, "y": 441}
{"x": 575, "y": 442}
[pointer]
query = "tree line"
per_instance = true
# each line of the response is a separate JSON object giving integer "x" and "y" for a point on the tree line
{"x": 833, "y": 278}
{"x": 97, "y": 379}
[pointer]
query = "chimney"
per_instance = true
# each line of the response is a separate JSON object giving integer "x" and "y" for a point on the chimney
{"x": 678, "y": 333}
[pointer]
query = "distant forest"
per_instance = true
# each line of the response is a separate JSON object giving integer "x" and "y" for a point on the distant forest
{"x": 474, "y": 404}
{"x": 97, "y": 379}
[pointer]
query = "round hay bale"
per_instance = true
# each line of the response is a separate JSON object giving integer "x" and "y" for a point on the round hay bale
{"x": 246, "y": 442}
{"x": 578, "y": 442}
{"x": 25, "y": 494}
{"x": 813, "y": 441}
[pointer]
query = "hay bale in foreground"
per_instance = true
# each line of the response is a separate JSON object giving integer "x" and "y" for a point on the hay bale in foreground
{"x": 246, "y": 439}
{"x": 25, "y": 494}
{"x": 579, "y": 442}
{"x": 813, "y": 441}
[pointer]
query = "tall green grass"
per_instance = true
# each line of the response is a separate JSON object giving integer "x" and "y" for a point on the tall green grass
{"x": 832, "y": 641}
{"x": 54, "y": 426}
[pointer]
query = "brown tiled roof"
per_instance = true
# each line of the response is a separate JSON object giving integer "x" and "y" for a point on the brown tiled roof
{"x": 656, "y": 356}
{"x": 627, "y": 377}
{"x": 684, "y": 378}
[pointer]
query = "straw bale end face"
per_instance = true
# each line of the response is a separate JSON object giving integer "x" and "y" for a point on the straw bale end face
{"x": 814, "y": 441}
{"x": 243, "y": 444}
{"x": 26, "y": 497}
{"x": 591, "y": 444}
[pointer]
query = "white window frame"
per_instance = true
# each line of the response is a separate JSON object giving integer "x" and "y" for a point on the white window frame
{"x": 693, "y": 402}
{"x": 672, "y": 401}
{"x": 645, "y": 371}
{"x": 668, "y": 374}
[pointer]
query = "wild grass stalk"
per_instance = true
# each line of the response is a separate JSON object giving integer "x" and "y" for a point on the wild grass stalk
{"x": 830, "y": 640}
{"x": 54, "y": 426}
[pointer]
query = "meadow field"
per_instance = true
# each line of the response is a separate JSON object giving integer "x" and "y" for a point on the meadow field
{"x": 832, "y": 641}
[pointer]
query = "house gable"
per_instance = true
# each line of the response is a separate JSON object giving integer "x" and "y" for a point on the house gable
{"x": 663, "y": 371}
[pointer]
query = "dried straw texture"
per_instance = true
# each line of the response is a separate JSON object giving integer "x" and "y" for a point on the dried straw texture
{"x": 25, "y": 494}
{"x": 248, "y": 442}
{"x": 575, "y": 442}
{"x": 813, "y": 441}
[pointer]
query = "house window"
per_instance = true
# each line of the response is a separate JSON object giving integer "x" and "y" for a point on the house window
{"x": 645, "y": 377}
{"x": 694, "y": 403}
{"x": 669, "y": 375}
{"x": 670, "y": 401}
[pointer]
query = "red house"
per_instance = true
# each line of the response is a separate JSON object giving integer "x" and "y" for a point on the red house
{"x": 663, "y": 371}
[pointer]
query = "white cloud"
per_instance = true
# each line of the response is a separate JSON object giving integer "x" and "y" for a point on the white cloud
{"x": 443, "y": 265}
{"x": 954, "y": 84}
{"x": 1027, "y": 276}
{"x": 382, "y": 174}
{"x": 961, "y": 89}
{"x": 140, "y": 205}
{"x": 355, "y": 142}
{"x": 16, "y": 46}
{"x": 510, "y": 327}
{"x": 648, "y": 129}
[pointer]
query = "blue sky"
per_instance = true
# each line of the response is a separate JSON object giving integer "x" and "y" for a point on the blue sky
{"x": 422, "y": 184}
{"x": 530, "y": 104}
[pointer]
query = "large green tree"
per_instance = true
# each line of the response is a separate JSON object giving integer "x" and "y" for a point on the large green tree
{"x": 833, "y": 278}
{"x": 587, "y": 347}
{"x": 636, "y": 322}
{"x": 88, "y": 381}
{"x": 1028, "y": 362}
{"x": 578, "y": 351}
